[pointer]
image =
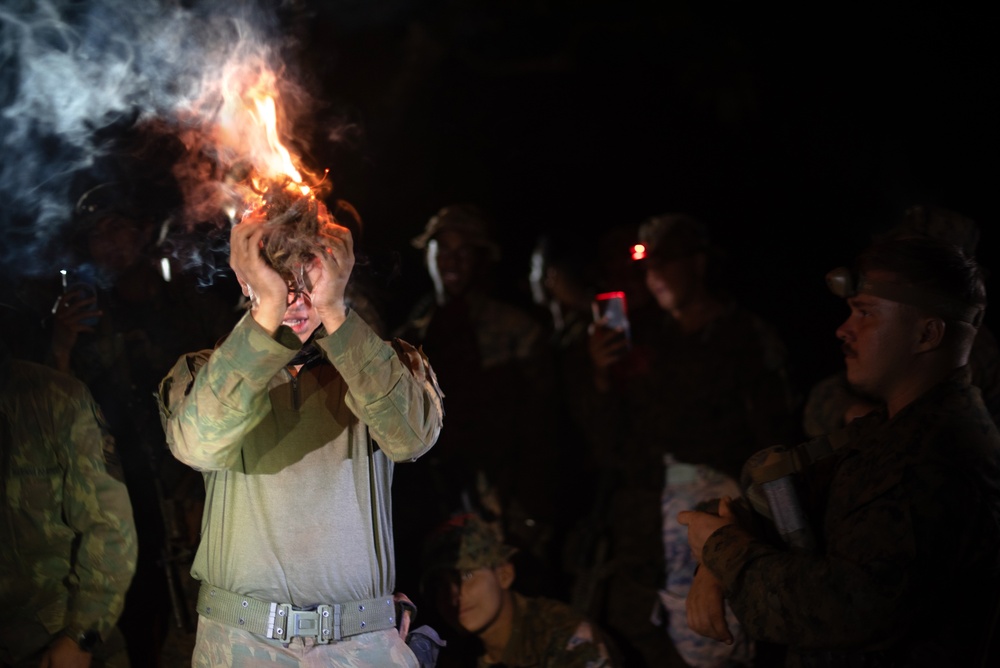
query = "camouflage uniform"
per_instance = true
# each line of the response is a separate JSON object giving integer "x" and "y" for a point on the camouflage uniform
{"x": 67, "y": 542}
{"x": 550, "y": 634}
{"x": 544, "y": 633}
{"x": 713, "y": 397}
{"x": 503, "y": 333}
{"x": 908, "y": 517}
{"x": 496, "y": 451}
{"x": 297, "y": 504}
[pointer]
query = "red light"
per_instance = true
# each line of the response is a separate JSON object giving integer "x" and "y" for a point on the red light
{"x": 638, "y": 252}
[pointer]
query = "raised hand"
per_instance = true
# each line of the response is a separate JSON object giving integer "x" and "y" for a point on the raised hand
{"x": 702, "y": 525}
{"x": 330, "y": 271}
{"x": 267, "y": 290}
{"x": 75, "y": 311}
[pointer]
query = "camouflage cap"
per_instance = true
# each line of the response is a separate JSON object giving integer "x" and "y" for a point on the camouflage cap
{"x": 465, "y": 219}
{"x": 672, "y": 236}
{"x": 464, "y": 543}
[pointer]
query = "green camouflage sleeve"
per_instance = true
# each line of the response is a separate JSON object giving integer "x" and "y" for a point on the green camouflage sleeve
{"x": 209, "y": 400}
{"x": 549, "y": 633}
{"x": 391, "y": 388}
{"x": 98, "y": 509}
{"x": 858, "y": 589}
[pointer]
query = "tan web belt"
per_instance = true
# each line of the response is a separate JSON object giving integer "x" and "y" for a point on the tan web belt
{"x": 280, "y": 621}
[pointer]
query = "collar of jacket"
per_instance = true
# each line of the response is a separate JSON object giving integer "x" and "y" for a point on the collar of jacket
{"x": 309, "y": 353}
{"x": 956, "y": 381}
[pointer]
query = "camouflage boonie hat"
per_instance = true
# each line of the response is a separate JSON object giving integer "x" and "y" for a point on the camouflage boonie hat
{"x": 464, "y": 543}
{"x": 465, "y": 219}
{"x": 673, "y": 236}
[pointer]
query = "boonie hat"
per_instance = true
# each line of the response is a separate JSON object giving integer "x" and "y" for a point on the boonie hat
{"x": 465, "y": 219}
{"x": 464, "y": 543}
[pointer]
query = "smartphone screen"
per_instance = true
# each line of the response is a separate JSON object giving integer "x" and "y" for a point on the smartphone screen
{"x": 611, "y": 305}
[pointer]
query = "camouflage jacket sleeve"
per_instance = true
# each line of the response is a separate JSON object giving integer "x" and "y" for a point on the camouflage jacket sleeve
{"x": 97, "y": 507}
{"x": 549, "y": 633}
{"x": 210, "y": 400}
{"x": 863, "y": 586}
{"x": 391, "y": 388}
{"x": 765, "y": 585}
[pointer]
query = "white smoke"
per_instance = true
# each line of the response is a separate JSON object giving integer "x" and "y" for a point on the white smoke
{"x": 69, "y": 70}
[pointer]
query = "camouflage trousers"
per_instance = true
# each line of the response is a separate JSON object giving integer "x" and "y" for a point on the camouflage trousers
{"x": 219, "y": 645}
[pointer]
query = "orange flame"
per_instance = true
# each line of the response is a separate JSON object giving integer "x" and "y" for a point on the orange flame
{"x": 249, "y": 127}
{"x": 267, "y": 115}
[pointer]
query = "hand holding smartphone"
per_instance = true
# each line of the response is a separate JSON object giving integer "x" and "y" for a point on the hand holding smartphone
{"x": 611, "y": 337}
{"x": 76, "y": 291}
{"x": 610, "y": 311}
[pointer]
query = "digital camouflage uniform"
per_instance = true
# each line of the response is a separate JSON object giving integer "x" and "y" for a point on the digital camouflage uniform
{"x": 67, "y": 537}
{"x": 907, "y": 514}
{"x": 298, "y": 469}
{"x": 550, "y": 634}
{"x": 544, "y": 633}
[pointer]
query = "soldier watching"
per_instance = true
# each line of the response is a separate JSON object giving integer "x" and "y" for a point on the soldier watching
{"x": 904, "y": 502}
{"x": 833, "y": 404}
{"x": 703, "y": 381}
{"x": 469, "y": 574}
{"x": 491, "y": 354}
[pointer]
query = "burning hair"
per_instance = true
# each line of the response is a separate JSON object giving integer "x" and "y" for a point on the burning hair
{"x": 293, "y": 227}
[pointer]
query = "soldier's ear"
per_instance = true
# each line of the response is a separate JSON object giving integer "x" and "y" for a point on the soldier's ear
{"x": 243, "y": 286}
{"x": 931, "y": 334}
{"x": 505, "y": 574}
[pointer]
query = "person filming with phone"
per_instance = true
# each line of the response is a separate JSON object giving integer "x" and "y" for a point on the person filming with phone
{"x": 677, "y": 403}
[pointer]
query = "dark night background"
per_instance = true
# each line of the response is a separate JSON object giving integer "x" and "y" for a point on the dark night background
{"x": 794, "y": 134}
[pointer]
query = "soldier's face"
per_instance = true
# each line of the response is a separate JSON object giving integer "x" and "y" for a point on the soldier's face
{"x": 878, "y": 341}
{"x": 474, "y": 599}
{"x": 673, "y": 283}
{"x": 452, "y": 262}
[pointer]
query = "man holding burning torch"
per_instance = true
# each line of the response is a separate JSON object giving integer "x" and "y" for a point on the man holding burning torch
{"x": 296, "y": 420}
